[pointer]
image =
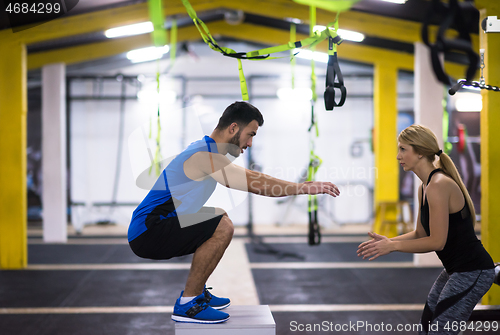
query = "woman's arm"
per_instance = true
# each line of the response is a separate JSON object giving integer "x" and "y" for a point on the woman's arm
{"x": 437, "y": 197}
{"x": 408, "y": 236}
{"x": 419, "y": 230}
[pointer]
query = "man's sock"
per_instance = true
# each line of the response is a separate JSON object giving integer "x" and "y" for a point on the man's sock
{"x": 185, "y": 300}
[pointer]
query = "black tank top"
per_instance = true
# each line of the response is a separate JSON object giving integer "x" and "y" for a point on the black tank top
{"x": 463, "y": 251}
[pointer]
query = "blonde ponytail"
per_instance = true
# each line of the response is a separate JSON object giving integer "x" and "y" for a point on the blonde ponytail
{"x": 425, "y": 143}
{"x": 446, "y": 164}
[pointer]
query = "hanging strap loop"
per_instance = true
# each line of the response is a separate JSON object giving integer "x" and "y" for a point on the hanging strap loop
{"x": 332, "y": 72}
{"x": 454, "y": 14}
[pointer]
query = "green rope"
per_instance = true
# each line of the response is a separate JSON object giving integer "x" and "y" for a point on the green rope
{"x": 448, "y": 146}
{"x": 157, "y": 157}
{"x": 314, "y": 160}
{"x": 173, "y": 42}
{"x": 312, "y": 23}
{"x": 160, "y": 39}
{"x": 156, "y": 15}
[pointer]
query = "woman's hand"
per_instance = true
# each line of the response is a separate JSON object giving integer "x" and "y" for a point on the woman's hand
{"x": 379, "y": 246}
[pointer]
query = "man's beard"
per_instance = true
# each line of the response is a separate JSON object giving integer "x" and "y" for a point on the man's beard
{"x": 234, "y": 145}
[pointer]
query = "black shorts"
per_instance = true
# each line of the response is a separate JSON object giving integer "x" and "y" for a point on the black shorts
{"x": 165, "y": 238}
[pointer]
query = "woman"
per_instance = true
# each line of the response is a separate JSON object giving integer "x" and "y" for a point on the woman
{"x": 445, "y": 224}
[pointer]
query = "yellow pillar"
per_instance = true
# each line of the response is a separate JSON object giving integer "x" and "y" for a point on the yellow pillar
{"x": 13, "y": 108}
{"x": 490, "y": 146}
{"x": 385, "y": 147}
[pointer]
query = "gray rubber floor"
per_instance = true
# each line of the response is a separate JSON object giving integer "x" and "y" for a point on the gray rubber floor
{"x": 86, "y": 324}
{"x": 57, "y": 288}
{"x": 89, "y": 254}
{"x": 344, "y": 286}
{"x": 326, "y": 252}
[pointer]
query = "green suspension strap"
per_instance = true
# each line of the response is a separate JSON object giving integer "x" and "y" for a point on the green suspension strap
{"x": 260, "y": 54}
{"x": 314, "y": 228}
{"x": 157, "y": 158}
{"x": 160, "y": 39}
{"x": 334, "y": 78}
{"x": 333, "y": 69}
{"x": 331, "y": 5}
{"x": 448, "y": 146}
{"x": 312, "y": 19}
{"x": 314, "y": 160}
{"x": 293, "y": 37}
{"x": 173, "y": 42}
{"x": 156, "y": 16}
{"x": 173, "y": 46}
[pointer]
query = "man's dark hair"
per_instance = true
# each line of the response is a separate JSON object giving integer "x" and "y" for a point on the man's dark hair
{"x": 240, "y": 112}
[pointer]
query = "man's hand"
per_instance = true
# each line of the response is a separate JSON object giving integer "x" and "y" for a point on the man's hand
{"x": 319, "y": 187}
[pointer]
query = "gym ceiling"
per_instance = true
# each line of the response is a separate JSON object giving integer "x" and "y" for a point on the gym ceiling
{"x": 390, "y": 29}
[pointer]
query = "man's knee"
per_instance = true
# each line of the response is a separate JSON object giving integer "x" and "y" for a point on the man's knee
{"x": 226, "y": 227}
{"x": 220, "y": 211}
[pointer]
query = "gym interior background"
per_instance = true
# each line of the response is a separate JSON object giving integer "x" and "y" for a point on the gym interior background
{"x": 79, "y": 123}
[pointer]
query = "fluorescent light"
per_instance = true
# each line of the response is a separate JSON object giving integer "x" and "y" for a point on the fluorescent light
{"x": 146, "y": 54}
{"x": 351, "y": 35}
{"x": 308, "y": 54}
{"x": 133, "y": 29}
{"x": 348, "y": 35}
{"x": 295, "y": 94}
{"x": 399, "y": 2}
{"x": 293, "y": 20}
{"x": 469, "y": 102}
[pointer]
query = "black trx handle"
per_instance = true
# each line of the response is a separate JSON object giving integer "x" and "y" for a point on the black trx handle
{"x": 462, "y": 83}
{"x": 314, "y": 228}
{"x": 312, "y": 117}
{"x": 238, "y": 55}
{"x": 332, "y": 72}
{"x": 453, "y": 14}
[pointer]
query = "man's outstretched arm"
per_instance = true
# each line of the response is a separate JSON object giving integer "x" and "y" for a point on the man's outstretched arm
{"x": 234, "y": 176}
{"x": 260, "y": 183}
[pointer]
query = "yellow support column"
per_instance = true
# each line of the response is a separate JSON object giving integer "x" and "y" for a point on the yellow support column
{"x": 490, "y": 146}
{"x": 13, "y": 194}
{"x": 385, "y": 146}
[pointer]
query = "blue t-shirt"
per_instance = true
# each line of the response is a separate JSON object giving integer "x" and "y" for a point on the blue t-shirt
{"x": 173, "y": 192}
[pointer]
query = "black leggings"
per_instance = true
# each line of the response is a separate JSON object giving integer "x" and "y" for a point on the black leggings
{"x": 452, "y": 299}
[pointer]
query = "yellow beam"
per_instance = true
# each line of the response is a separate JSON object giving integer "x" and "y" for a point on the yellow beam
{"x": 109, "y": 48}
{"x": 386, "y": 189}
{"x": 99, "y": 21}
{"x": 13, "y": 194}
{"x": 368, "y": 24}
{"x": 248, "y": 32}
{"x": 372, "y": 25}
{"x": 490, "y": 148}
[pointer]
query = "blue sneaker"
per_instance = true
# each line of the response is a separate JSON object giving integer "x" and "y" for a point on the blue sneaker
{"x": 216, "y": 302}
{"x": 197, "y": 311}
